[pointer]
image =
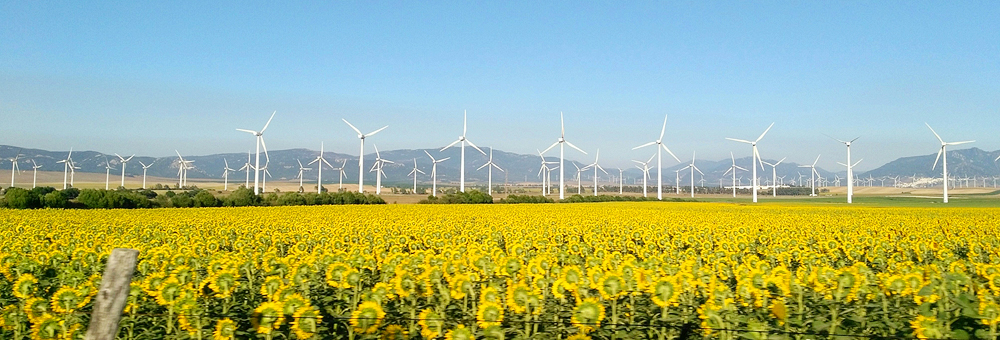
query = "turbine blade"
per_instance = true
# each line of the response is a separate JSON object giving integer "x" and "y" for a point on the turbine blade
{"x": 651, "y": 158}
{"x": 739, "y": 140}
{"x": 957, "y": 143}
{"x": 562, "y": 126}
{"x": 842, "y": 164}
{"x": 644, "y": 145}
{"x": 547, "y": 149}
{"x": 352, "y": 126}
{"x": 664, "y": 128}
{"x": 248, "y": 131}
{"x": 937, "y": 158}
{"x": 266, "y": 156}
{"x": 765, "y": 132}
{"x": 856, "y": 163}
{"x": 314, "y": 161}
{"x": 268, "y": 121}
{"x": 327, "y": 163}
{"x": 670, "y": 152}
{"x": 429, "y": 155}
{"x": 698, "y": 170}
{"x": 498, "y": 167}
{"x": 475, "y": 147}
{"x": 782, "y": 160}
{"x": 443, "y": 159}
{"x": 376, "y": 131}
{"x": 450, "y": 145}
{"x": 574, "y": 146}
{"x": 935, "y": 133}
{"x": 481, "y": 167}
{"x": 816, "y": 161}
{"x": 465, "y": 122}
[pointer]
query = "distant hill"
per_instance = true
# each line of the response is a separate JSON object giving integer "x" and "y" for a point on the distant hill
{"x": 961, "y": 163}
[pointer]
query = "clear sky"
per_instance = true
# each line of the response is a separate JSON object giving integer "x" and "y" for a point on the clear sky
{"x": 150, "y": 77}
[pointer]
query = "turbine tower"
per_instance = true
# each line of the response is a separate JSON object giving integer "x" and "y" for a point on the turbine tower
{"x": 144, "y": 167}
{"x": 107, "y": 173}
{"x": 247, "y": 166}
{"x": 850, "y": 168}
{"x": 693, "y": 169}
{"x": 755, "y": 158}
{"x": 944, "y": 160}
{"x": 812, "y": 174}
{"x": 225, "y": 176}
{"x": 319, "y": 177}
{"x": 463, "y": 140}
{"x": 733, "y": 168}
{"x": 13, "y": 167}
{"x": 562, "y": 140}
{"x": 34, "y": 170}
{"x": 124, "y": 160}
{"x": 491, "y": 165}
{"x": 434, "y": 167}
{"x": 774, "y": 176}
{"x": 659, "y": 159}
{"x": 361, "y": 157}
{"x": 259, "y": 135}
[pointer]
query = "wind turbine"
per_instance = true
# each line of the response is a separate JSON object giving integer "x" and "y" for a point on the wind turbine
{"x": 72, "y": 172}
{"x": 579, "y": 178}
{"x": 562, "y": 140}
{"x": 342, "y": 174}
{"x": 124, "y": 160}
{"x": 544, "y": 172}
{"x": 645, "y": 170}
{"x": 733, "y": 168}
{"x": 183, "y": 168}
{"x": 693, "y": 169}
{"x": 301, "y": 170}
{"x": 225, "y": 176}
{"x": 774, "y": 176}
{"x": 144, "y": 167}
{"x": 812, "y": 174}
{"x": 659, "y": 161}
{"x": 260, "y": 142}
{"x": 319, "y": 178}
{"x": 34, "y": 170}
{"x": 379, "y": 162}
{"x": 755, "y": 158}
{"x": 107, "y": 173}
{"x": 434, "y": 167}
{"x": 621, "y": 183}
{"x": 14, "y": 168}
{"x": 490, "y": 166}
{"x": 361, "y": 157}
{"x": 944, "y": 161}
{"x": 596, "y": 167}
{"x": 414, "y": 173}
{"x": 463, "y": 140}
{"x": 247, "y": 166}
{"x": 67, "y": 163}
{"x": 850, "y": 167}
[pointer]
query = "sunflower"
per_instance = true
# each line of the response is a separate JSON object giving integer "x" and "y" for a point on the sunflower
{"x": 305, "y": 322}
{"x": 10, "y": 317}
{"x": 25, "y": 286}
{"x": 489, "y": 314}
{"x": 223, "y": 283}
{"x": 404, "y": 283}
{"x": 989, "y": 311}
{"x": 431, "y": 324}
{"x": 337, "y": 275}
{"x": 519, "y": 297}
{"x": 460, "y": 333}
{"x": 292, "y": 302}
{"x": 459, "y": 286}
{"x": 169, "y": 292}
{"x": 46, "y": 327}
{"x": 394, "y": 332}
{"x": 271, "y": 286}
{"x": 490, "y": 294}
{"x": 67, "y": 300}
{"x": 151, "y": 285}
{"x": 612, "y": 286}
{"x": 663, "y": 292}
{"x": 35, "y": 309}
{"x": 367, "y": 318}
{"x": 587, "y": 315}
{"x": 268, "y": 317}
{"x": 225, "y": 329}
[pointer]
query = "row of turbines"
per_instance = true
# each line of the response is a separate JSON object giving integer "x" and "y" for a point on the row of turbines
{"x": 546, "y": 167}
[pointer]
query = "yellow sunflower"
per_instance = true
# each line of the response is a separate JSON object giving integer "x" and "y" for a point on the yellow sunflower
{"x": 225, "y": 329}
{"x": 431, "y": 324}
{"x": 587, "y": 315}
{"x": 489, "y": 314}
{"x": 367, "y": 318}
{"x": 305, "y": 322}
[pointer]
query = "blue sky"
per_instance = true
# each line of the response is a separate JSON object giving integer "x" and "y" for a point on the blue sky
{"x": 149, "y": 78}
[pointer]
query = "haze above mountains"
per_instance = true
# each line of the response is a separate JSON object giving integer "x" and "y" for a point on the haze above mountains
{"x": 519, "y": 167}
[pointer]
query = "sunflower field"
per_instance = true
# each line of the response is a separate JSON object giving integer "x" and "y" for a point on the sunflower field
{"x": 558, "y": 271}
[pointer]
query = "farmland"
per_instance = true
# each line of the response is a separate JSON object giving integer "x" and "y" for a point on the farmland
{"x": 556, "y": 271}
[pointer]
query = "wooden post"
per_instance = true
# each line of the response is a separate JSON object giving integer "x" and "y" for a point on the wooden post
{"x": 111, "y": 298}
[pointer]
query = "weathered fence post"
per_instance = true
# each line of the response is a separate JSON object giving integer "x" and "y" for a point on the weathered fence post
{"x": 113, "y": 295}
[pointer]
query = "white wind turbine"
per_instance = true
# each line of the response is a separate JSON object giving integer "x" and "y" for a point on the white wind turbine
{"x": 377, "y": 168}
{"x": 183, "y": 167}
{"x": 34, "y": 170}
{"x": 301, "y": 170}
{"x": 943, "y": 152}
{"x": 107, "y": 173}
{"x": 247, "y": 166}
{"x": 434, "y": 167}
{"x": 693, "y": 169}
{"x": 414, "y": 173}
{"x": 319, "y": 177}
{"x": 645, "y": 171}
{"x": 850, "y": 168}
{"x": 774, "y": 176}
{"x": 361, "y": 157}
{"x": 342, "y": 174}
{"x": 621, "y": 183}
{"x": 579, "y": 178}
{"x": 490, "y": 166}
{"x": 463, "y": 140}
{"x": 562, "y": 140}
{"x": 225, "y": 176}
{"x": 67, "y": 163}
{"x": 259, "y": 135}
{"x": 263, "y": 176}
{"x": 544, "y": 172}
{"x": 659, "y": 161}
{"x": 733, "y": 168}
{"x": 144, "y": 168}
{"x": 812, "y": 174}
{"x": 756, "y": 157}
{"x": 13, "y": 167}
{"x": 124, "y": 160}
{"x": 596, "y": 167}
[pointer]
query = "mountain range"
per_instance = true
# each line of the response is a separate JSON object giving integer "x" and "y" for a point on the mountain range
{"x": 520, "y": 168}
